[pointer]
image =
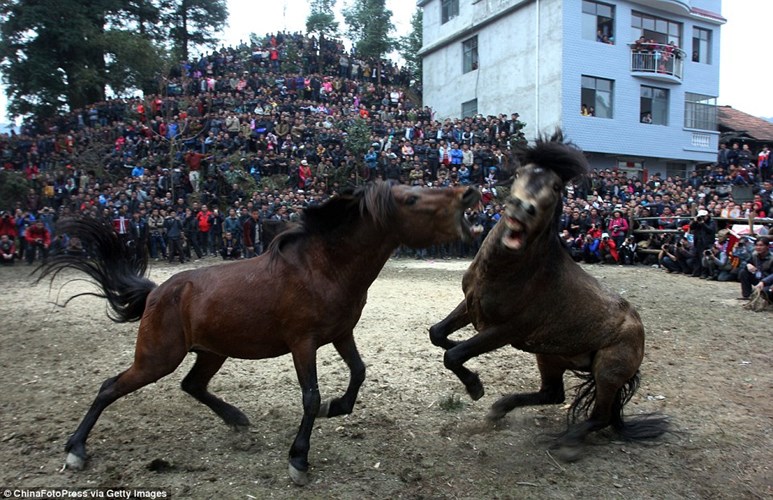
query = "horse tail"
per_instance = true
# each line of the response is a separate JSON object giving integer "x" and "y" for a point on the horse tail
{"x": 640, "y": 427}
{"x": 117, "y": 266}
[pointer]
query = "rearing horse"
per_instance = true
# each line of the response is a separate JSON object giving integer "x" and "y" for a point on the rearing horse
{"x": 523, "y": 289}
{"x": 307, "y": 291}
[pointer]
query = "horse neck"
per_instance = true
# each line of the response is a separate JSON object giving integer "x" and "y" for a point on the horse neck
{"x": 360, "y": 254}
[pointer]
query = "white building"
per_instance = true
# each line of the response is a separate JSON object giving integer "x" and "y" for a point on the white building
{"x": 654, "y": 104}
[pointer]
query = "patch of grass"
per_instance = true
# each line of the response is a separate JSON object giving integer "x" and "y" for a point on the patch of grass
{"x": 452, "y": 402}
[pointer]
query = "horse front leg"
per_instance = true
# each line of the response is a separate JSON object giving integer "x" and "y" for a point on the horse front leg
{"x": 345, "y": 404}
{"x": 439, "y": 332}
{"x": 455, "y": 357}
{"x": 305, "y": 360}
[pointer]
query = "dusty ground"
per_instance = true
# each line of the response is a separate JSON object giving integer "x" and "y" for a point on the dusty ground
{"x": 708, "y": 365}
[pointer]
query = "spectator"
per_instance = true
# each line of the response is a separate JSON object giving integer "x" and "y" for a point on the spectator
{"x": 758, "y": 272}
{"x": 253, "y": 235}
{"x": 231, "y": 249}
{"x": 703, "y": 228}
{"x": 7, "y": 250}
{"x": 38, "y": 240}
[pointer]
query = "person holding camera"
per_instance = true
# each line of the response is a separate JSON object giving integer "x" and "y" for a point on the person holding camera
{"x": 758, "y": 272}
{"x": 38, "y": 238}
{"x": 617, "y": 227}
{"x": 703, "y": 228}
{"x": 717, "y": 259}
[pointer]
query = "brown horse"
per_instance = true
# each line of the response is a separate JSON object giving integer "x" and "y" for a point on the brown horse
{"x": 307, "y": 291}
{"x": 523, "y": 289}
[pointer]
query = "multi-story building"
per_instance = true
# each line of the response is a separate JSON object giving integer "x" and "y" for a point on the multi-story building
{"x": 634, "y": 83}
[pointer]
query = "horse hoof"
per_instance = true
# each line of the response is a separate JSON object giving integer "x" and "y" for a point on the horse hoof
{"x": 475, "y": 391}
{"x": 568, "y": 453}
{"x": 74, "y": 462}
{"x": 300, "y": 478}
{"x": 324, "y": 409}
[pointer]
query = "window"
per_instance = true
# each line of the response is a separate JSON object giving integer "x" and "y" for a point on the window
{"x": 469, "y": 108}
{"x": 449, "y": 9}
{"x": 657, "y": 29}
{"x": 701, "y": 45}
{"x": 654, "y": 104}
{"x": 598, "y": 21}
{"x": 470, "y": 54}
{"x": 596, "y": 97}
{"x": 700, "y": 111}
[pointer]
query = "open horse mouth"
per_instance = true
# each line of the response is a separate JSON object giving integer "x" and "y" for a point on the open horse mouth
{"x": 514, "y": 235}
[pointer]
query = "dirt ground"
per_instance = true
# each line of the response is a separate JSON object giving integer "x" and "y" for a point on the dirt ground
{"x": 414, "y": 432}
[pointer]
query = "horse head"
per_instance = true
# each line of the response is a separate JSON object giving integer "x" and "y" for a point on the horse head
{"x": 536, "y": 195}
{"x": 429, "y": 216}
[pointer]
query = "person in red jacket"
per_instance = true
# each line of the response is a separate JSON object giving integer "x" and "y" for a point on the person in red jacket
{"x": 608, "y": 250}
{"x": 7, "y": 225}
{"x": 38, "y": 238}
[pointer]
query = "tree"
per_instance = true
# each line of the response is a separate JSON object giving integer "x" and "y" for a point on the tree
{"x": 193, "y": 22}
{"x": 321, "y": 21}
{"x": 369, "y": 25}
{"x": 410, "y": 45}
{"x": 51, "y": 54}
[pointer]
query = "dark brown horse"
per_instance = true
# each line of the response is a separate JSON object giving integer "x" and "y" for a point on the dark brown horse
{"x": 307, "y": 291}
{"x": 523, "y": 289}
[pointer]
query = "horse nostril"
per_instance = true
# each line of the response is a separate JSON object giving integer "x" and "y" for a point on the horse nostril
{"x": 529, "y": 208}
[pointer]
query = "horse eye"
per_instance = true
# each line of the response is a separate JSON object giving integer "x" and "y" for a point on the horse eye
{"x": 412, "y": 200}
{"x": 557, "y": 187}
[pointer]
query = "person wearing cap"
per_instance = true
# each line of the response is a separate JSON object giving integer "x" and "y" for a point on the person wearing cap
{"x": 617, "y": 227}
{"x": 607, "y": 250}
{"x": 703, "y": 228}
{"x": 305, "y": 176}
{"x": 758, "y": 272}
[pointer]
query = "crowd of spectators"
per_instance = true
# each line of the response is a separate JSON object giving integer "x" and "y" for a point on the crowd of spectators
{"x": 257, "y": 132}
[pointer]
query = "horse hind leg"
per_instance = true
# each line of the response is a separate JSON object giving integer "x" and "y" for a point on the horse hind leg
{"x": 196, "y": 381}
{"x": 345, "y": 404}
{"x": 551, "y": 390}
{"x": 143, "y": 371}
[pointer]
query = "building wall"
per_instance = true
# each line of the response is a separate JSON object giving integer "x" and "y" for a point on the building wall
{"x": 532, "y": 58}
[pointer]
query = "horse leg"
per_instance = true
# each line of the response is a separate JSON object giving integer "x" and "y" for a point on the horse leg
{"x": 195, "y": 383}
{"x": 344, "y": 405}
{"x": 305, "y": 360}
{"x": 439, "y": 332}
{"x": 551, "y": 389}
{"x": 613, "y": 367}
{"x": 145, "y": 370}
{"x": 455, "y": 357}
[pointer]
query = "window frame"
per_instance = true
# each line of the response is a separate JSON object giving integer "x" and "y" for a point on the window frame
{"x": 467, "y": 107}
{"x": 698, "y": 41}
{"x": 591, "y": 8}
{"x": 596, "y": 91}
{"x": 660, "y": 29}
{"x": 659, "y": 117}
{"x": 700, "y": 114}
{"x": 449, "y": 9}
{"x": 470, "y": 59}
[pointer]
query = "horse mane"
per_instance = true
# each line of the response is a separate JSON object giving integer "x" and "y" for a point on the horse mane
{"x": 556, "y": 154}
{"x": 372, "y": 200}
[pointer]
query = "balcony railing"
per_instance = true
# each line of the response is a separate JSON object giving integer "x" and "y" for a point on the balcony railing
{"x": 658, "y": 60}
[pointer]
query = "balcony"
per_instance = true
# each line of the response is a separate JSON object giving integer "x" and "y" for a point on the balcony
{"x": 657, "y": 61}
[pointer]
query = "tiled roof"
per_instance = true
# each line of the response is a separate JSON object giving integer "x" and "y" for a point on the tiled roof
{"x": 733, "y": 120}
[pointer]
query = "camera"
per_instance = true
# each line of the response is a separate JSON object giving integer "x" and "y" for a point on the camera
{"x": 707, "y": 252}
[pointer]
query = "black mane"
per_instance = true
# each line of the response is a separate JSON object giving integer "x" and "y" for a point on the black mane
{"x": 339, "y": 214}
{"x": 562, "y": 157}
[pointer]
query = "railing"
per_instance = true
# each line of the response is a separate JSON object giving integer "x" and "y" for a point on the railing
{"x": 658, "y": 59}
